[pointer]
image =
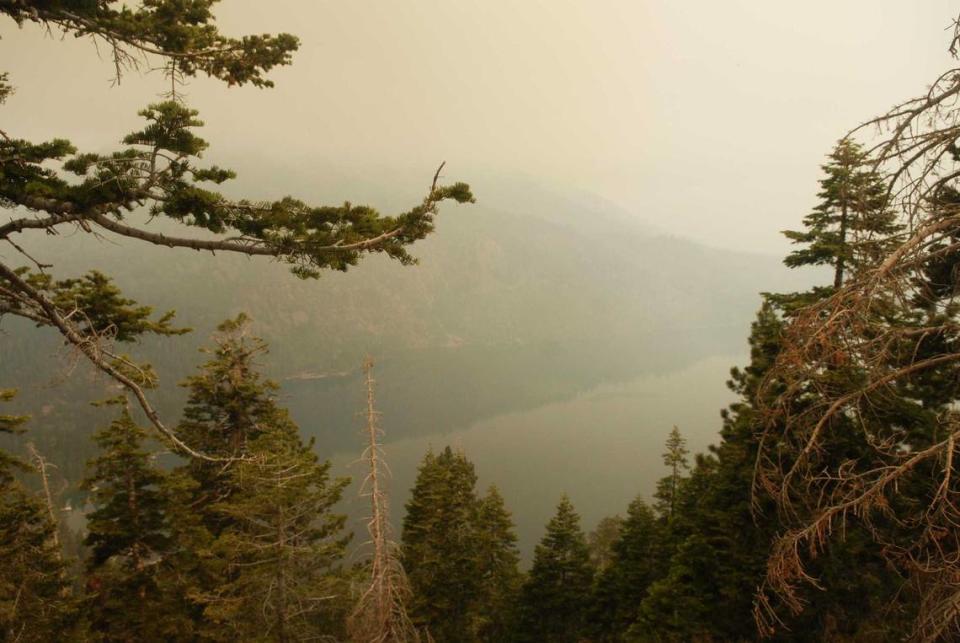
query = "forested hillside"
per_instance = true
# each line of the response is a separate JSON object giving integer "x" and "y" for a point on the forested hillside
{"x": 507, "y": 310}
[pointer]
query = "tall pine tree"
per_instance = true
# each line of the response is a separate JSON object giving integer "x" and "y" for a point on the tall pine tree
{"x": 440, "y": 546}
{"x": 636, "y": 562}
{"x": 129, "y": 539}
{"x": 260, "y": 545}
{"x": 498, "y": 565}
{"x": 281, "y": 546}
{"x": 675, "y": 459}
{"x": 851, "y": 224}
{"x": 228, "y": 406}
{"x": 555, "y": 600}
{"x": 722, "y": 534}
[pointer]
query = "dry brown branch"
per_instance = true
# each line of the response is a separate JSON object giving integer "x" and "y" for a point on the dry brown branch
{"x": 41, "y": 465}
{"x": 863, "y": 422}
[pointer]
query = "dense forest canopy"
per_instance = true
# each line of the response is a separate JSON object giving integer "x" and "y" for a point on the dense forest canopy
{"x": 826, "y": 510}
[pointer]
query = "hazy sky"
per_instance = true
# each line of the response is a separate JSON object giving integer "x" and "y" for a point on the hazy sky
{"x": 708, "y": 118}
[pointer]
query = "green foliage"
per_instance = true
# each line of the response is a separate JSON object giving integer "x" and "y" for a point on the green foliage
{"x": 129, "y": 537}
{"x": 183, "y": 31}
{"x": 675, "y": 458}
{"x": 35, "y": 601}
{"x": 157, "y": 173}
{"x": 106, "y": 313}
{"x": 555, "y": 599}
{"x": 601, "y": 541}
{"x": 158, "y": 167}
{"x": 5, "y": 88}
{"x": 720, "y": 533}
{"x": 718, "y": 545}
{"x": 280, "y": 545}
{"x": 851, "y": 226}
{"x": 636, "y": 562}
{"x": 459, "y": 552}
{"x": 228, "y": 406}
{"x": 11, "y": 425}
{"x": 440, "y": 547}
{"x": 498, "y": 569}
{"x": 260, "y": 542}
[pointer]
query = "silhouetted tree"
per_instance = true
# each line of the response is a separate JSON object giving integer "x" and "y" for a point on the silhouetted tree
{"x": 555, "y": 599}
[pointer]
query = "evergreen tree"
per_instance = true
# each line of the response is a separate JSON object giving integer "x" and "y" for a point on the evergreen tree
{"x": 35, "y": 604}
{"x": 281, "y": 545}
{"x": 668, "y": 489}
{"x": 851, "y": 224}
{"x": 229, "y": 405}
{"x": 440, "y": 546}
{"x": 717, "y": 561}
{"x": 721, "y": 533}
{"x": 128, "y": 537}
{"x": 601, "y": 541}
{"x": 636, "y": 562}
{"x": 259, "y": 547}
{"x": 498, "y": 561}
{"x": 555, "y": 599}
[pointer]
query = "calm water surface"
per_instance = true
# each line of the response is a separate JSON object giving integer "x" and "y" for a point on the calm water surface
{"x": 602, "y": 447}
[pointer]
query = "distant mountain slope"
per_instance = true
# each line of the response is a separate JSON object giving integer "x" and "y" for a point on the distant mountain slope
{"x": 528, "y": 297}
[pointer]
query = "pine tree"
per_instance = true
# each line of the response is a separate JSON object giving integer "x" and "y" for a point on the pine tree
{"x": 229, "y": 406}
{"x": 281, "y": 545}
{"x": 601, "y": 541}
{"x": 440, "y": 546}
{"x": 716, "y": 557}
{"x": 260, "y": 545}
{"x": 35, "y": 603}
{"x": 498, "y": 567}
{"x": 721, "y": 533}
{"x": 129, "y": 538}
{"x": 555, "y": 599}
{"x": 668, "y": 489}
{"x": 636, "y": 562}
{"x": 850, "y": 226}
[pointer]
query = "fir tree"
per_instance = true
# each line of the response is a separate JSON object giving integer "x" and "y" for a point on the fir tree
{"x": 636, "y": 562}
{"x": 717, "y": 560}
{"x": 675, "y": 458}
{"x": 498, "y": 560}
{"x": 35, "y": 604}
{"x": 601, "y": 541}
{"x": 851, "y": 224}
{"x": 720, "y": 532}
{"x": 228, "y": 406}
{"x": 260, "y": 544}
{"x": 440, "y": 546}
{"x": 128, "y": 537}
{"x": 555, "y": 599}
{"x": 281, "y": 545}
